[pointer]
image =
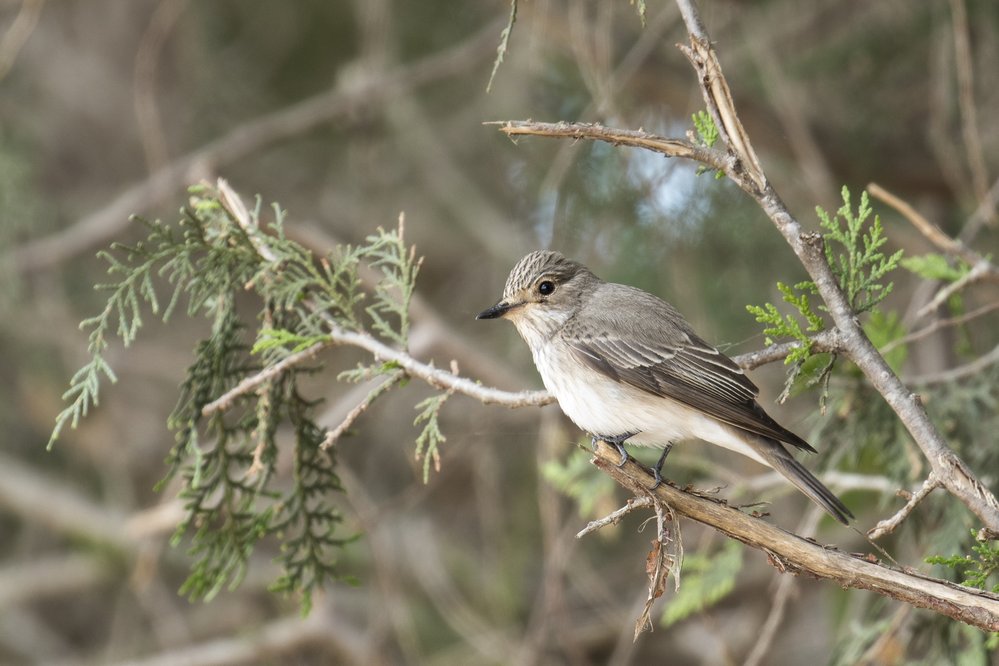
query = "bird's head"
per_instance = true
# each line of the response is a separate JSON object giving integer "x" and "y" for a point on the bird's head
{"x": 543, "y": 290}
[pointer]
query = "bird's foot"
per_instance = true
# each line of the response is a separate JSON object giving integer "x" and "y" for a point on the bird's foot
{"x": 657, "y": 470}
{"x": 617, "y": 441}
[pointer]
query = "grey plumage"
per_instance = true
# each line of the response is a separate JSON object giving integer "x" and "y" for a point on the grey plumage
{"x": 620, "y": 360}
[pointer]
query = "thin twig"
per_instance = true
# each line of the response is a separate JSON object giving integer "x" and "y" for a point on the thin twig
{"x": 938, "y": 324}
{"x": 932, "y": 232}
{"x": 825, "y": 341}
{"x": 888, "y": 525}
{"x": 333, "y": 435}
{"x": 617, "y": 137}
{"x": 615, "y": 517}
{"x": 224, "y": 402}
{"x": 980, "y": 271}
{"x": 960, "y": 372}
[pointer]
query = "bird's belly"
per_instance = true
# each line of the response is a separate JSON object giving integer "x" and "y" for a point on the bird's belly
{"x": 603, "y": 407}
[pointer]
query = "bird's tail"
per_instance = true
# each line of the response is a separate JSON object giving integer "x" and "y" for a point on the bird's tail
{"x": 778, "y": 457}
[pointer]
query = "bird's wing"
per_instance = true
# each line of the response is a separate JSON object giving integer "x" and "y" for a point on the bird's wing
{"x": 682, "y": 367}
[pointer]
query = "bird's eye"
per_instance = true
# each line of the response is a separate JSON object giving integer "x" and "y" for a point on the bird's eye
{"x": 546, "y": 287}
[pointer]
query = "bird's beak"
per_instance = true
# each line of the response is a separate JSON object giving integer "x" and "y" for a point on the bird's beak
{"x": 496, "y": 311}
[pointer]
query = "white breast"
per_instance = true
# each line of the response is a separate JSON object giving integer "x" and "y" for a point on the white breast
{"x": 601, "y": 406}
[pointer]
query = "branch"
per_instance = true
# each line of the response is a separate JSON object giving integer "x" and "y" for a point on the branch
{"x": 223, "y": 402}
{"x": 980, "y": 271}
{"x": 615, "y": 517}
{"x": 790, "y": 553}
{"x": 618, "y": 137}
{"x": 932, "y": 232}
{"x": 888, "y": 525}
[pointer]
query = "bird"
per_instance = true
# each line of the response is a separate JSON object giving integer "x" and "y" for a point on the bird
{"x": 626, "y": 366}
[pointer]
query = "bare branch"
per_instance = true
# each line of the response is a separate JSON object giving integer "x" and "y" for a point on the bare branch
{"x": 615, "y": 517}
{"x": 793, "y": 554}
{"x": 360, "y": 408}
{"x": 888, "y": 525}
{"x": 618, "y": 137}
{"x": 932, "y": 232}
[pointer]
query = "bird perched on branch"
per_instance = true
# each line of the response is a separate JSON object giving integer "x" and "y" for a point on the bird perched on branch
{"x": 626, "y": 366}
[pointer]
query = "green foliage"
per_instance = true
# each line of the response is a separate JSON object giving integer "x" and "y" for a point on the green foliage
{"x": 707, "y": 131}
{"x": 789, "y": 326}
{"x": 431, "y": 437}
{"x": 860, "y": 266}
{"x": 578, "y": 479}
{"x": 504, "y": 44}
{"x": 707, "y": 579}
{"x": 269, "y": 339}
{"x": 641, "y": 9}
{"x": 935, "y": 266}
{"x": 883, "y": 329}
{"x": 976, "y": 570}
{"x": 226, "y": 458}
{"x": 707, "y": 136}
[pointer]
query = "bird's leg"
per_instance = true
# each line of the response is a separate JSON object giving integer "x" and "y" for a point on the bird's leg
{"x": 617, "y": 441}
{"x": 657, "y": 470}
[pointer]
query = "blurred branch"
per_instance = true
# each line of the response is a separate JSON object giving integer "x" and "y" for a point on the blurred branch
{"x": 983, "y": 270}
{"x": 17, "y": 35}
{"x": 147, "y": 113}
{"x": 789, "y": 553}
{"x": 966, "y": 99}
{"x": 959, "y": 372}
{"x": 49, "y": 502}
{"x": 276, "y": 638}
{"x": 344, "y": 98}
{"x": 782, "y": 595}
{"x": 938, "y": 324}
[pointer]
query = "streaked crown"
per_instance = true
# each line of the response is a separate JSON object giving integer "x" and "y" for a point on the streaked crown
{"x": 536, "y": 264}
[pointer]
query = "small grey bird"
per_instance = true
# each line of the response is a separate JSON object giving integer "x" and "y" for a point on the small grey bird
{"x": 626, "y": 366}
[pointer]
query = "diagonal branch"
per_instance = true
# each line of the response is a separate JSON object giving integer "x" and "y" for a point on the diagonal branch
{"x": 793, "y": 554}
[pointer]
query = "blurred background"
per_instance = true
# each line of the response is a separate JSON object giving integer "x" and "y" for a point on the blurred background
{"x": 347, "y": 113}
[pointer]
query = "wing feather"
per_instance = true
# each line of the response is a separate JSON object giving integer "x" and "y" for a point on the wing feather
{"x": 686, "y": 369}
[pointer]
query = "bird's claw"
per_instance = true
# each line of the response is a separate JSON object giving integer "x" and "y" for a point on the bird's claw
{"x": 617, "y": 441}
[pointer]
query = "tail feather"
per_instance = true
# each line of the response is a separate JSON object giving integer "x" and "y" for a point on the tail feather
{"x": 778, "y": 457}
